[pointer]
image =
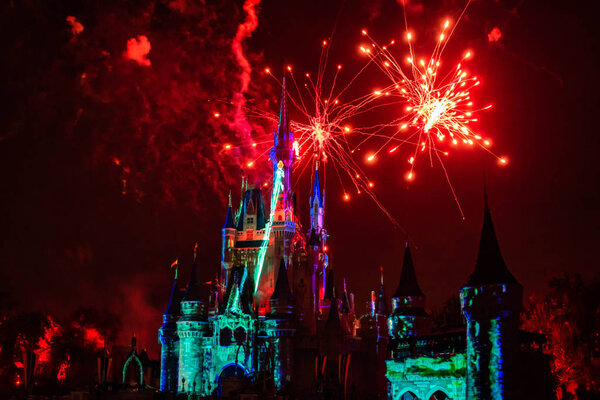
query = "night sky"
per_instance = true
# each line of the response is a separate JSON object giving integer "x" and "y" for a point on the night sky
{"x": 111, "y": 169}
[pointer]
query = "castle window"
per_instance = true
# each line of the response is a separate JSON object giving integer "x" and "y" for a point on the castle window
{"x": 240, "y": 335}
{"x": 225, "y": 337}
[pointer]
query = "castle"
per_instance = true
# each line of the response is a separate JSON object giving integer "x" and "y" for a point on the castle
{"x": 273, "y": 321}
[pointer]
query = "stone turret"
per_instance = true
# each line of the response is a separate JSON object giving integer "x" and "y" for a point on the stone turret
{"x": 408, "y": 318}
{"x": 491, "y": 302}
{"x": 169, "y": 341}
{"x": 192, "y": 330}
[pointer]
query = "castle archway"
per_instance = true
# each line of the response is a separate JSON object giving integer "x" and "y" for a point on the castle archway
{"x": 229, "y": 371}
{"x": 131, "y": 381}
{"x": 439, "y": 395}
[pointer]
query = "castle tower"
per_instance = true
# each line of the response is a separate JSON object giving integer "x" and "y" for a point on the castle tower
{"x": 491, "y": 302}
{"x": 228, "y": 243}
{"x": 284, "y": 226}
{"x": 169, "y": 341}
{"x": 191, "y": 329}
{"x": 317, "y": 206}
{"x": 283, "y": 328}
{"x": 316, "y": 247}
{"x": 408, "y": 318}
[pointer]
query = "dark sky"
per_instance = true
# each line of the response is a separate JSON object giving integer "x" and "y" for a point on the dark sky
{"x": 71, "y": 237}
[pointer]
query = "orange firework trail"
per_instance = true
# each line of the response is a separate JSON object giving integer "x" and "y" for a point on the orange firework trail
{"x": 439, "y": 109}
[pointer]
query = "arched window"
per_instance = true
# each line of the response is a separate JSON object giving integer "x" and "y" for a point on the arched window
{"x": 129, "y": 374}
{"x": 439, "y": 395}
{"x": 409, "y": 396}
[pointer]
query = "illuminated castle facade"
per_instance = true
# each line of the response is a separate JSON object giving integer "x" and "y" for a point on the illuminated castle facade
{"x": 490, "y": 359}
{"x": 273, "y": 320}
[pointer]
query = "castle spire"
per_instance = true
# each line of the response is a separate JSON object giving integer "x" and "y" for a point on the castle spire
{"x": 193, "y": 290}
{"x": 173, "y": 307}
{"x": 490, "y": 267}
{"x": 229, "y": 219}
{"x": 282, "y": 290}
{"x": 284, "y": 124}
{"x": 408, "y": 285}
{"x": 282, "y": 300}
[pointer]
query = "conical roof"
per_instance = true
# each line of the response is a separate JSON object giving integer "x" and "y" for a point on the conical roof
{"x": 408, "y": 285}
{"x": 229, "y": 219}
{"x": 282, "y": 290}
{"x": 316, "y": 192}
{"x": 490, "y": 267}
{"x": 194, "y": 290}
{"x": 174, "y": 301}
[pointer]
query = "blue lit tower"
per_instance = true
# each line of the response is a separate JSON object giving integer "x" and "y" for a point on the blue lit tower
{"x": 283, "y": 327}
{"x": 191, "y": 329}
{"x": 316, "y": 242}
{"x": 491, "y": 302}
{"x": 169, "y": 341}
{"x": 408, "y": 318}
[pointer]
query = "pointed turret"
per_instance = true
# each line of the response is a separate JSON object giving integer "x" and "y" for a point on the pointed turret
{"x": 408, "y": 318}
{"x": 282, "y": 290}
{"x": 193, "y": 292}
{"x": 192, "y": 327}
{"x": 492, "y": 298}
{"x": 167, "y": 335}
{"x": 317, "y": 210}
{"x": 173, "y": 309}
{"x": 490, "y": 267}
{"x": 229, "y": 219}
{"x": 408, "y": 285}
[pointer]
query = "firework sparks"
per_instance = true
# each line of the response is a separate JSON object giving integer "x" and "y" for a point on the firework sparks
{"x": 439, "y": 110}
{"x": 324, "y": 125}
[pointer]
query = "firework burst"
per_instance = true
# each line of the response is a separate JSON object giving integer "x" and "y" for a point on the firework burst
{"x": 439, "y": 110}
{"x": 323, "y": 130}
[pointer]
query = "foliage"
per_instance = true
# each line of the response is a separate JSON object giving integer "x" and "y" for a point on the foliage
{"x": 568, "y": 316}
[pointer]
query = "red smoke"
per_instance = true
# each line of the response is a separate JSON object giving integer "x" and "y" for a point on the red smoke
{"x": 495, "y": 35}
{"x": 138, "y": 49}
{"x": 93, "y": 337}
{"x": 244, "y": 30}
{"x": 76, "y": 27}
